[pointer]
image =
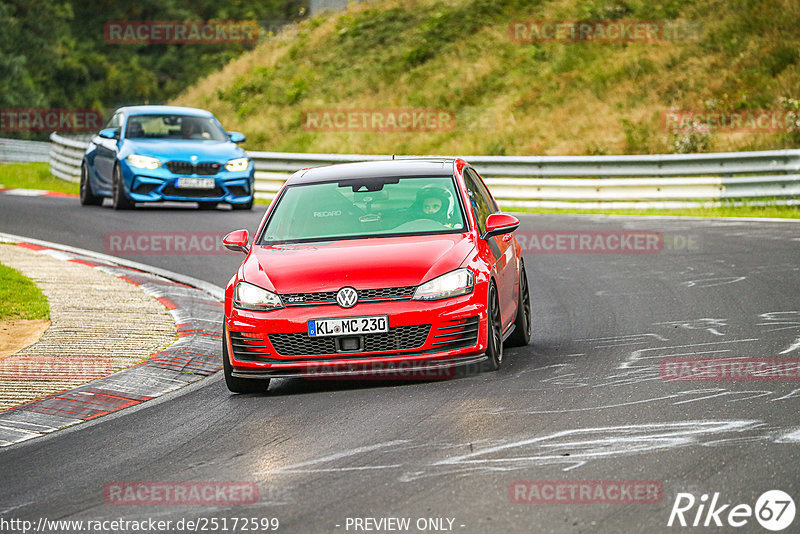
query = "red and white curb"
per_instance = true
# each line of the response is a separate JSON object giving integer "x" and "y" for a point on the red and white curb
{"x": 196, "y": 354}
{"x": 35, "y": 193}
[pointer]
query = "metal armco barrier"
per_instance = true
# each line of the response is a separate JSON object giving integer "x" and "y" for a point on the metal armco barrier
{"x": 66, "y": 154}
{"x": 15, "y": 150}
{"x": 584, "y": 182}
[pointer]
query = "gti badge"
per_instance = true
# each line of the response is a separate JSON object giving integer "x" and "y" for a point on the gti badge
{"x": 347, "y": 297}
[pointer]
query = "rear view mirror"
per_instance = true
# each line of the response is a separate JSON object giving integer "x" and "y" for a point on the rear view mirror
{"x": 237, "y": 241}
{"x": 236, "y": 137}
{"x": 109, "y": 133}
{"x": 500, "y": 223}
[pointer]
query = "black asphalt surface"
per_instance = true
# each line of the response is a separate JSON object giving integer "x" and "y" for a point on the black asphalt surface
{"x": 585, "y": 401}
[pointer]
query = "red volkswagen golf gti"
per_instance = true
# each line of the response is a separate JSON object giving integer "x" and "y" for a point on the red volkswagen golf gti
{"x": 374, "y": 268}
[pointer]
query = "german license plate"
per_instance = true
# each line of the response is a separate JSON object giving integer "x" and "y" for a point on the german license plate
{"x": 195, "y": 183}
{"x": 345, "y": 326}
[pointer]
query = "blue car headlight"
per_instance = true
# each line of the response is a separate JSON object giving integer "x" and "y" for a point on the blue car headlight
{"x": 143, "y": 162}
{"x": 238, "y": 165}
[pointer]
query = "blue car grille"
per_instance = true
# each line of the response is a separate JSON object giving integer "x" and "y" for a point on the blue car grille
{"x": 186, "y": 167}
{"x": 172, "y": 191}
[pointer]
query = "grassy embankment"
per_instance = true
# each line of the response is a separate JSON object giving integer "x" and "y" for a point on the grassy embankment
{"x": 33, "y": 176}
{"x": 512, "y": 98}
{"x": 20, "y": 298}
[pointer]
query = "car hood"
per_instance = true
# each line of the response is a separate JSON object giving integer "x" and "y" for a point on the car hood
{"x": 360, "y": 263}
{"x": 183, "y": 149}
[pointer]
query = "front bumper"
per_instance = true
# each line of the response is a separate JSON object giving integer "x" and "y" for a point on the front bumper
{"x": 424, "y": 337}
{"x": 161, "y": 184}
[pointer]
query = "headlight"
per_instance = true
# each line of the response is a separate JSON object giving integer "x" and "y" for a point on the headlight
{"x": 250, "y": 297}
{"x": 143, "y": 162}
{"x": 452, "y": 284}
{"x": 239, "y": 164}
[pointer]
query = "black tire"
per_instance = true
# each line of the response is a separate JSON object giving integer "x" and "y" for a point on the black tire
{"x": 120, "y": 200}
{"x": 245, "y": 206}
{"x": 521, "y": 335}
{"x": 207, "y": 205}
{"x": 87, "y": 197}
{"x": 240, "y": 385}
{"x": 494, "y": 345}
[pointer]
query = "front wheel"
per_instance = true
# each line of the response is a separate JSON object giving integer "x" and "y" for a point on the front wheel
{"x": 521, "y": 335}
{"x": 87, "y": 197}
{"x": 494, "y": 341}
{"x": 119, "y": 199}
{"x": 240, "y": 385}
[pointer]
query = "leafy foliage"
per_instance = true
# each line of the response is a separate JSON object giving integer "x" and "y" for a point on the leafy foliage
{"x": 55, "y": 53}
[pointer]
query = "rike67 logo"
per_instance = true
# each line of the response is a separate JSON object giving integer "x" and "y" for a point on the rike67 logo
{"x": 774, "y": 510}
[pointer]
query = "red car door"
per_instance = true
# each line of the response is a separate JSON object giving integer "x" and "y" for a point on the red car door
{"x": 501, "y": 248}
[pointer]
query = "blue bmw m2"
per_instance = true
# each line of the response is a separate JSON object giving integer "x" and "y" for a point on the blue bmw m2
{"x": 156, "y": 153}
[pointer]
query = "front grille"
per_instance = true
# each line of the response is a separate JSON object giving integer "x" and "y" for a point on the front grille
{"x": 172, "y": 191}
{"x": 398, "y": 338}
{"x": 364, "y": 295}
{"x": 457, "y": 334}
{"x": 186, "y": 167}
{"x": 249, "y": 347}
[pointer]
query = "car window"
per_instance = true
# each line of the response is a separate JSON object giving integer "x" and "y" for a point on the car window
{"x": 374, "y": 207}
{"x": 173, "y": 127}
{"x": 482, "y": 202}
{"x": 115, "y": 121}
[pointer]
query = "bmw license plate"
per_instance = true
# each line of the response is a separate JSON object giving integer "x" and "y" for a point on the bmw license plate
{"x": 344, "y": 326}
{"x": 195, "y": 183}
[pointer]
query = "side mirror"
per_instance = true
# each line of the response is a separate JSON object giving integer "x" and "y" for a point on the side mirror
{"x": 499, "y": 224}
{"x": 109, "y": 133}
{"x": 236, "y": 137}
{"x": 237, "y": 241}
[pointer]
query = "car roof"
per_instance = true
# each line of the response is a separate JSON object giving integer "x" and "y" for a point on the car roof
{"x": 160, "y": 110}
{"x": 396, "y": 168}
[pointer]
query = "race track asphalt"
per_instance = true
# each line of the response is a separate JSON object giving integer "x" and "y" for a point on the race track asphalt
{"x": 585, "y": 401}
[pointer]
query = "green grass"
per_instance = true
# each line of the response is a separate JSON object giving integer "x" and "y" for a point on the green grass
{"x": 20, "y": 298}
{"x": 548, "y": 98}
{"x": 774, "y": 212}
{"x": 33, "y": 176}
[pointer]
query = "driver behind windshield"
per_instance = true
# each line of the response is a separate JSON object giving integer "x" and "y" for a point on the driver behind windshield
{"x": 432, "y": 203}
{"x": 190, "y": 129}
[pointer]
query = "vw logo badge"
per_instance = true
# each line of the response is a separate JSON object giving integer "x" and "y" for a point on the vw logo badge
{"x": 347, "y": 297}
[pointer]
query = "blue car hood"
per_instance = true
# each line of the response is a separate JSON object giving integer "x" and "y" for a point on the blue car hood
{"x": 183, "y": 150}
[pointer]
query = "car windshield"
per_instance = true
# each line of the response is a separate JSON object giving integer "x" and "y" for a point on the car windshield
{"x": 174, "y": 127}
{"x": 368, "y": 207}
